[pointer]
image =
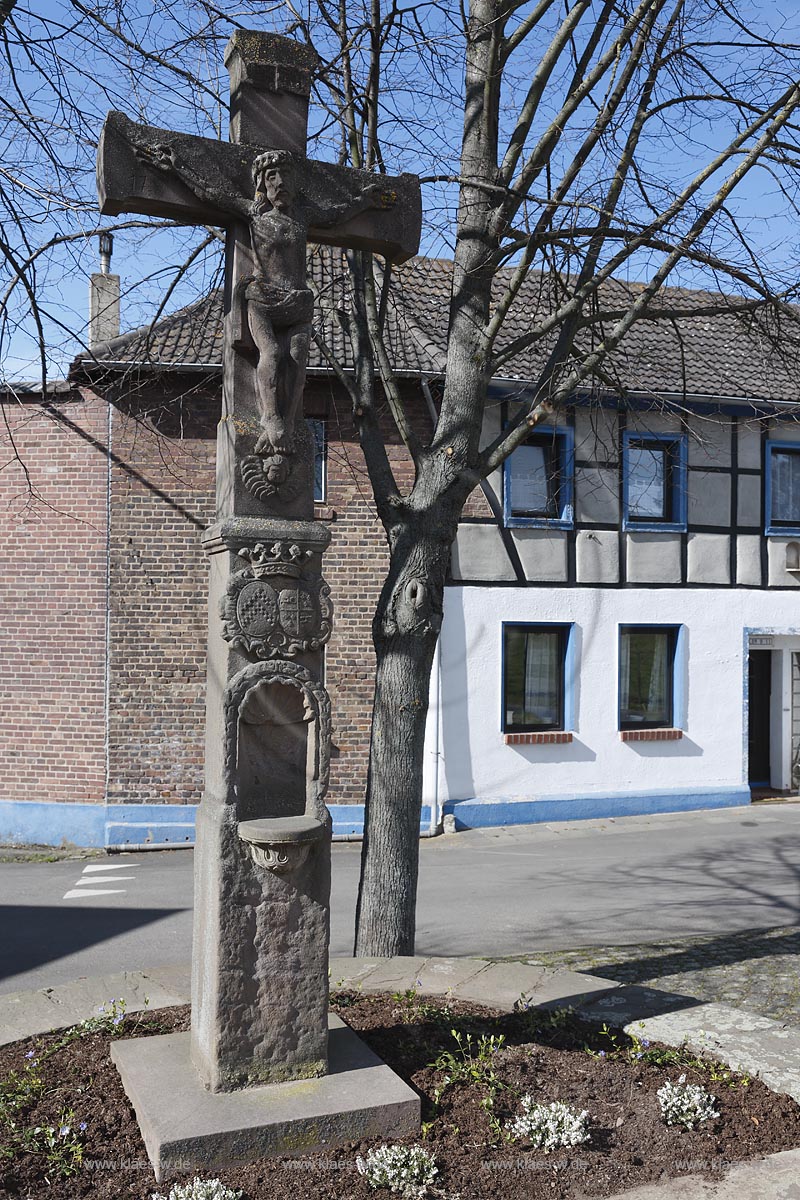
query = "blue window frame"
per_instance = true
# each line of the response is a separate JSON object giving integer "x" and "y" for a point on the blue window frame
{"x": 538, "y": 482}
{"x": 782, "y": 488}
{"x": 651, "y": 692}
{"x": 654, "y": 482}
{"x": 537, "y": 678}
{"x": 317, "y": 427}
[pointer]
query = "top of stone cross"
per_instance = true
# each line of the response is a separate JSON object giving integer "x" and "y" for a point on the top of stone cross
{"x": 270, "y": 86}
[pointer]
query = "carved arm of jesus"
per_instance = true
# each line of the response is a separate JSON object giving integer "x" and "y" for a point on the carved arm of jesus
{"x": 164, "y": 158}
{"x": 373, "y": 196}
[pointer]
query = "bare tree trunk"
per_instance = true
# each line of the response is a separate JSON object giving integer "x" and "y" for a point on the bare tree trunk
{"x": 405, "y": 632}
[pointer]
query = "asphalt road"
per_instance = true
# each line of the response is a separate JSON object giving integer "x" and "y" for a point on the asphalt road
{"x": 491, "y": 892}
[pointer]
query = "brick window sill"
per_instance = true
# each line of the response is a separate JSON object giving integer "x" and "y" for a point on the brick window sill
{"x": 323, "y": 512}
{"x": 650, "y": 735}
{"x": 553, "y": 738}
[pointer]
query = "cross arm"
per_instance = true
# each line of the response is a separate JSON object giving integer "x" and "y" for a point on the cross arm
{"x": 346, "y": 209}
{"x": 220, "y": 188}
{"x": 217, "y": 187}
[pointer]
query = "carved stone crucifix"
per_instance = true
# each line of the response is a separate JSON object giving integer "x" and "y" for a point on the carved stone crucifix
{"x": 262, "y": 857}
{"x": 273, "y": 200}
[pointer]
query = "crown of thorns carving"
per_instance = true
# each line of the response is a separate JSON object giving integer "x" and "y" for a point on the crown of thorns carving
{"x": 271, "y": 158}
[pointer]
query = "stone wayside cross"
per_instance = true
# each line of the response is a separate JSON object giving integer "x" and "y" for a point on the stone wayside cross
{"x": 262, "y": 859}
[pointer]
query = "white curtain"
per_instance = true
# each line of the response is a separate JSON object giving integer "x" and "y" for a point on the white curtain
{"x": 542, "y": 667}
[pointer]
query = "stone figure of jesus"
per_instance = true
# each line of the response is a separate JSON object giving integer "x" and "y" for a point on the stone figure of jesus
{"x": 277, "y": 303}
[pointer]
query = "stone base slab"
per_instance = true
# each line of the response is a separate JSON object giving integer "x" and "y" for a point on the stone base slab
{"x": 187, "y": 1128}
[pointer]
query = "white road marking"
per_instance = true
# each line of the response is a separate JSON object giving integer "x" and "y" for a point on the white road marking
{"x": 87, "y": 884}
{"x": 76, "y": 892}
{"x": 110, "y": 867}
{"x": 114, "y": 879}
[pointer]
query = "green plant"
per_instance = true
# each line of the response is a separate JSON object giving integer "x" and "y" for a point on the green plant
{"x": 685, "y": 1103}
{"x": 406, "y": 1170}
{"x": 60, "y": 1145}
{"x": 549, "y": 1126}
{"x": 198, "y": 1189}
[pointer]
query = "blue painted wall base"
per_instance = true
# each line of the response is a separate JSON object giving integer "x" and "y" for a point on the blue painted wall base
{"x": 130, "y": 826}
{"x": 480, "y": 814}
{"x": 161, "y": 826}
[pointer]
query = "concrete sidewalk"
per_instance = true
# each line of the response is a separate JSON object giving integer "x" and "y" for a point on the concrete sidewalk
{"x": 745, "y": 1041}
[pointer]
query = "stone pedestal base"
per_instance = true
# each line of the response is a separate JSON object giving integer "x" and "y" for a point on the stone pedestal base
{"x": 187, "y": 1128}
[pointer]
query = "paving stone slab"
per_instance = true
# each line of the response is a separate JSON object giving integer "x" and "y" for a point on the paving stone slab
{"x": 743, "y": 1041}
{"x": 441, "y": 975}
{"x": 774, "y": 1178}
{"x": 631, "y": 1004}
{"x": 500, "y": 985}
{"x": 350, "y": 972}
{"x": 187, "y": 1128}
{"x": 394, "y": 974}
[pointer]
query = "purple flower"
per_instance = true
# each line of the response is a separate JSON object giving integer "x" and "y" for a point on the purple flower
{"x": 639, "y": 1054}
{"x": 82, "y": 1127}
{"x": 118, "y": 1020}
{"x": 602, "y": 1054}
{"x": 30, "y": 1054}
{"x": 63, "y": 1131}
{"x": 645, "y": 1043}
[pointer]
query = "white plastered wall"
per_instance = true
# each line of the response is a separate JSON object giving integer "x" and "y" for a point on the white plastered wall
{"x": 474, "y": 762}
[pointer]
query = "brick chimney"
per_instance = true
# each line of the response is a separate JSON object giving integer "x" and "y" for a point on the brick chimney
{"x": 103, "y": 297}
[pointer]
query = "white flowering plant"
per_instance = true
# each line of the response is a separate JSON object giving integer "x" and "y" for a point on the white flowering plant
{"x": 406, "y": 1170}
{"x": 549, "y": 1126}
{"x": 199, "y": 1189}
{"x": 685, "y": 1103}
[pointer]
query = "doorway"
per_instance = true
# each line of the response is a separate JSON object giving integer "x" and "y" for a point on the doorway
{"x": 759, "y": 694}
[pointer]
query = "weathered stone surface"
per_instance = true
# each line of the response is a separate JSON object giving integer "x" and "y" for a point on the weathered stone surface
{"x": 187, "y": 1128}
{"x": 262, "y": 863}
{"x": 127, "y": 183}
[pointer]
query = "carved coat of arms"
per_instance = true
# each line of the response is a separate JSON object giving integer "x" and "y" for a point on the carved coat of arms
{"x": 271, "y": 608}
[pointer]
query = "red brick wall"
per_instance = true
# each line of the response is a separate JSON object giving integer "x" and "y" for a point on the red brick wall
{"x": 162, "y": 495}
{"x": 53, "y": 530}
{"x": 162, "y": 498}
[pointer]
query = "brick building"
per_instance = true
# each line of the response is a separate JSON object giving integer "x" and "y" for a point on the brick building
{"x": 570, "y": 565}
{"x": 109, "y": 486}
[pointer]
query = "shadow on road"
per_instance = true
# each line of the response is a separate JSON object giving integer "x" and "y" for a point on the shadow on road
{"x": 716, "y": 952}
{"x": 33, "y": 935}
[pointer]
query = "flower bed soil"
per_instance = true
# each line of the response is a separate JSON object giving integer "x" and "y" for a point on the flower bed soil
{"x": 556, "y": 1058}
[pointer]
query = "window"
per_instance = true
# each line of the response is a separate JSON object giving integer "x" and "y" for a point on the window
{"x": 317, "y": 427}
{"x": 654, "y": 482}
{"x": 783, "y": 487}
{"x": 534, "y": 692}
{"x": 647, "y": 676}
{"x": 538, "y": 480}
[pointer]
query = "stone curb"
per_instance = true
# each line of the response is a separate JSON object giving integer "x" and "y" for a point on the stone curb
{"x": 742, "y": 1040}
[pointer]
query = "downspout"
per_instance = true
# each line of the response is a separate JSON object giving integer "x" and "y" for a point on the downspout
{"x": 435, "y": 806}
{"x": 107, "y": 664}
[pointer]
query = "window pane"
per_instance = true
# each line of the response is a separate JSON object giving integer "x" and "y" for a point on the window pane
{"x": 647, "y": 471}
{"x": 530, "y": 488}
{"x": 534, "y": 674}
{"x": 646, "y": 677}
{"x": 317, "y": 427}
{"x": 786, "y": 486}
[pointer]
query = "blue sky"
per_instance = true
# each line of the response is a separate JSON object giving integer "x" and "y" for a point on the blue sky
{"x": 420, "y": 126}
